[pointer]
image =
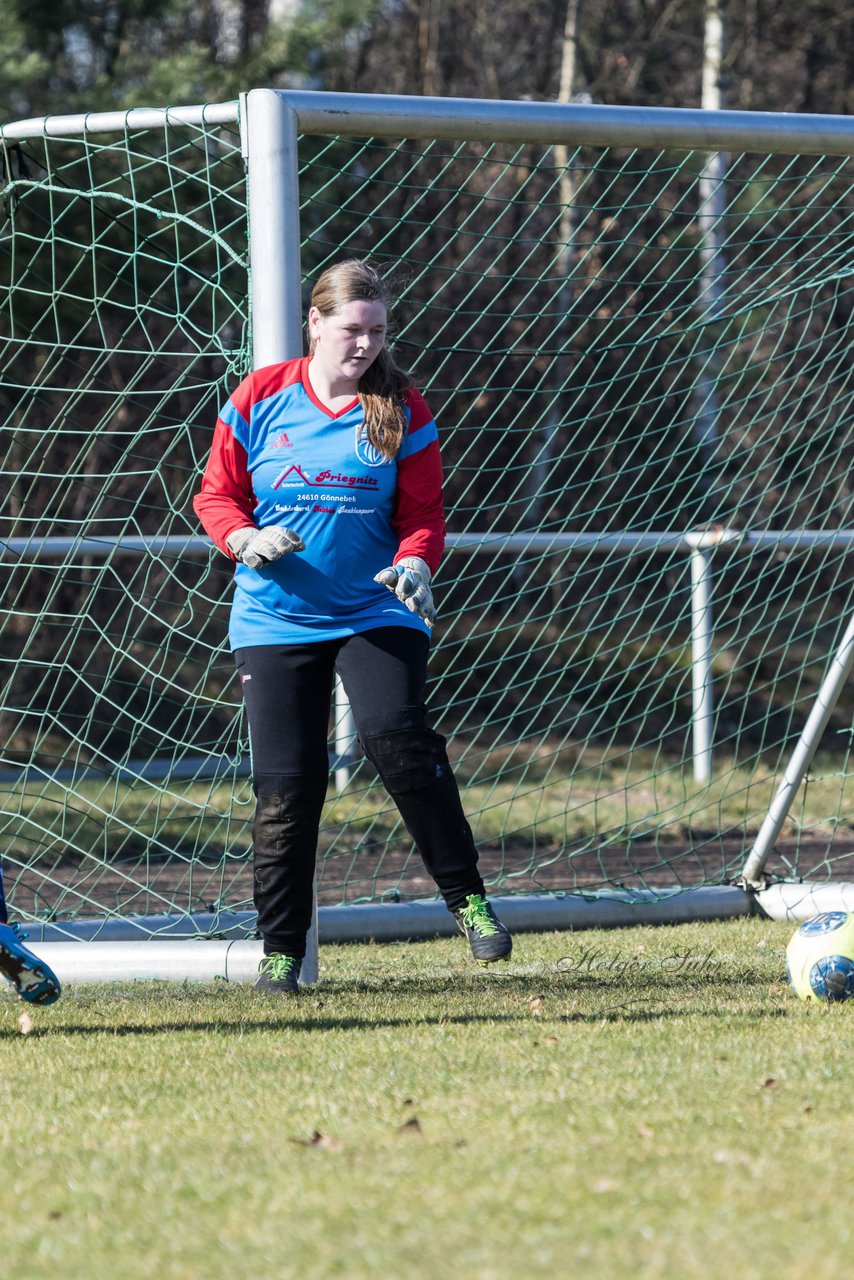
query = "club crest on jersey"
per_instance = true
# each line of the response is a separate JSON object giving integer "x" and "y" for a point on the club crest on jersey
{"x": 366, "y": 452}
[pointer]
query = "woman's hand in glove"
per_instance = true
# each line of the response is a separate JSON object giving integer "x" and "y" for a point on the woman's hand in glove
{"x": 409, "y": 579}
{"x": 257, "y": 548}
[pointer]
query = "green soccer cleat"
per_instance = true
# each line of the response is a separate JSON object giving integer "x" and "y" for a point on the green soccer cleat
{"x": 33, "y": 980}
{"x": 489, "y": 939}
{"x": 278, "y": 975}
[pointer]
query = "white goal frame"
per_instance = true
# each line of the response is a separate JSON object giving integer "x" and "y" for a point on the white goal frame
{"x": 271, "y": 121}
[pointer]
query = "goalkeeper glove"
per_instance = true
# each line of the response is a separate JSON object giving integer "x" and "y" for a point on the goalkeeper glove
{"x": 257, "y": 548}
{"x": 409, "y": 579}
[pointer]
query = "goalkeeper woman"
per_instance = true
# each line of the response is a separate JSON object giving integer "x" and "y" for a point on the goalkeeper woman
{"x": 31, "y": 977}
{"x": 324, "y": 485}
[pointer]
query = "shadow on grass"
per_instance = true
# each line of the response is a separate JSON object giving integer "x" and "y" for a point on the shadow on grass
{"x": 627, "y": 1013}
{"x": 542, "y": 1000}
{"x": 555, "y": 982}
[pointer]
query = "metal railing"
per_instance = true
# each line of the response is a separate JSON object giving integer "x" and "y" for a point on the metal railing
{"x": 699, "y": 544}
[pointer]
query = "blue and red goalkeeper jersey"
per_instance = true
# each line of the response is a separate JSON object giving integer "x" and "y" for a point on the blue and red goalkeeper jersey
{"x": 279, "y": 456}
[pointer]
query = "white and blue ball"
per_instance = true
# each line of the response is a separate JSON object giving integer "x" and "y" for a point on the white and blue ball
{"x": 820, "y": 957}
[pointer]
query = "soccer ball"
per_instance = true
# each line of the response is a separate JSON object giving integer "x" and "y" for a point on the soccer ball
{"x": 820, "y": 957}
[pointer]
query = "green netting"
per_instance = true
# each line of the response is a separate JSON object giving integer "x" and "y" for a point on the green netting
{"x": 124, "y": 286}
{"x": 598, "y": 399}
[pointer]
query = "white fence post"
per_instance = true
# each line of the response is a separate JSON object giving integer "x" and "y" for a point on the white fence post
{"x": 701, "y": 543}
{"x": 701, "y": 664}
{"x": 345, "y": 736}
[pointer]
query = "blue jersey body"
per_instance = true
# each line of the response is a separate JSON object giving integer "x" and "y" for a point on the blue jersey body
{"x": 315, "y": 472}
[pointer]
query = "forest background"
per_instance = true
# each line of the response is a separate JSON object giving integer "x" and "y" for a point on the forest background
{"x": 599, "y": 653}
{"x": 71, "y": 55}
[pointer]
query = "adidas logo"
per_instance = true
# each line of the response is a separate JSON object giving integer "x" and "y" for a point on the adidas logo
{"x": 282, "y": 442}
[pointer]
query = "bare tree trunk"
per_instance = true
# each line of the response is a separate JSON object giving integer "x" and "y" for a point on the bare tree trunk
{"x": 242, "y": 26}
{"x": 710, "y": 219}
{"x": 254, "y": 25}
{"x": 567, "y": 183}
{"x": 428, "y": 46}
{"x": 564, "y": 266}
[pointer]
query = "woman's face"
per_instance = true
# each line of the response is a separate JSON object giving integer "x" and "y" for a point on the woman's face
{"x": 347, "y": 342}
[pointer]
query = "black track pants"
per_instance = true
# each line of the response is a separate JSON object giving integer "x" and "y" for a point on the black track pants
{"x": 288, "y": 692}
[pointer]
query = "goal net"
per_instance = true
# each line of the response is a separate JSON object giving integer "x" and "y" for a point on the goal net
{"x": 640, "y": 368}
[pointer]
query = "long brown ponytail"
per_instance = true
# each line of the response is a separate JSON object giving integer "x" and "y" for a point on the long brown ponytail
{"x": 383, "y": 384}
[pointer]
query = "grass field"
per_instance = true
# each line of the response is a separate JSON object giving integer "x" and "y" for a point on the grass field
{"x": 637, "y": 1103}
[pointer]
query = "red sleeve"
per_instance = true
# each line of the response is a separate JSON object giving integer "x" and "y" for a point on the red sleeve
{"x": 419, "y": 514}
{"x": 226, "y": 501}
